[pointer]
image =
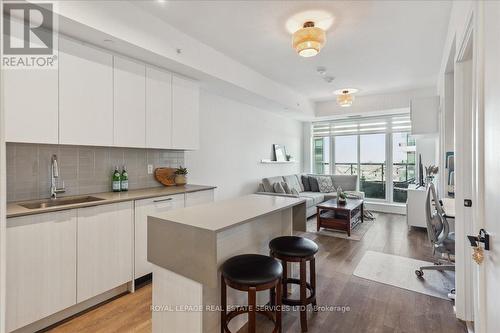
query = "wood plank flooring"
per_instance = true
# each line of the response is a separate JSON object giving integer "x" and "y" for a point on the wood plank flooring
{"x": 373, "y": 307}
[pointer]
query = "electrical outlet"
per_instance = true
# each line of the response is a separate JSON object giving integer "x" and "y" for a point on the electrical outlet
{"x": 150, "y": 169}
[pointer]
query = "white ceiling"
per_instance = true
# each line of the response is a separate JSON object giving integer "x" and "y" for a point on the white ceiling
{"x": 375, "y": 46}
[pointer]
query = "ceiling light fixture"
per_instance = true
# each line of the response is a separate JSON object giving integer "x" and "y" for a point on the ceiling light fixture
{"x": 345, "y": 97}
{"x": 308, "y": 40}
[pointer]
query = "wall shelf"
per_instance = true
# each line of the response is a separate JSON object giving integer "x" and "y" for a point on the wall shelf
{"x": 277, "y": 162}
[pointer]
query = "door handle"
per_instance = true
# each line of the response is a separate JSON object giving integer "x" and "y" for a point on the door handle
{"x": 163, "y": 200}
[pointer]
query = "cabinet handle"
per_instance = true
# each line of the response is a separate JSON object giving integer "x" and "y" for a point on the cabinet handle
{"x": 162, "y": 200}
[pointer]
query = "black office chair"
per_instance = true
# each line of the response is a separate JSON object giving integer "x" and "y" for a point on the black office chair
{"x": 438, "y": 230}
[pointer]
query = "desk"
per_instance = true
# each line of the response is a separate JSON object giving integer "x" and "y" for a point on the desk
{"x": 449, "y": 207}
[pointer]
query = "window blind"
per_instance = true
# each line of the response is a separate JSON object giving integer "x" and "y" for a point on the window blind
{"x": 363, "y": 125}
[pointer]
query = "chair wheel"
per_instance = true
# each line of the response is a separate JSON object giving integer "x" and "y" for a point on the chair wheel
{"x": 419, "y": 273}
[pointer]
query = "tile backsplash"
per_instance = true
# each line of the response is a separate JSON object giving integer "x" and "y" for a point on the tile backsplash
{"x": 83, "y": 169}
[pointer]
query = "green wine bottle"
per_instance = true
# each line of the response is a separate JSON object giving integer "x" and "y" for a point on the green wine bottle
{"x": 124, "y": 179}
{"x": 116, "y": 180}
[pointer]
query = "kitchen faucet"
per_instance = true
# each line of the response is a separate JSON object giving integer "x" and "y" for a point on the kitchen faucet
{"x": 54, "y": 190}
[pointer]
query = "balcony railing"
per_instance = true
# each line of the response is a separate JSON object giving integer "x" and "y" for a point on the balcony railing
{"x": 372, "y": 178}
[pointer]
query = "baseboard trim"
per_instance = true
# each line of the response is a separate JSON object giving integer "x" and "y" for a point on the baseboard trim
{"x": 382, "y": 207}
{"x": 66, "y": 314}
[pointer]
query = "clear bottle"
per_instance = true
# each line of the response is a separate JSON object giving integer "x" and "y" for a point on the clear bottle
{"x": 124, "y": 180}
{"x": 116, "y": 180}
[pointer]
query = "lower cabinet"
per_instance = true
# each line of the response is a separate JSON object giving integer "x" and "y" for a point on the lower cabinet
{"x": 199, "y": 198}
{"x": 105, "y": 248}
{"x": 144, "y": 208}
{"x": 41, "y": 266}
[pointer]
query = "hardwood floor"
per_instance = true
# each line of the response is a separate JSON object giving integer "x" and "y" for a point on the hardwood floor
{"x": 373, "y": 307}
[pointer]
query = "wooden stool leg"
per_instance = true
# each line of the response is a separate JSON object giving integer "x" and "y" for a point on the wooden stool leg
{"x": 272, "y": 296}
{"x": 223, "y": 302}
{"x": 252, "y": 304}
{"x": 278, "y": 306}
{"x": 312, "y": 278}
{"x": 285, "y": 277}
{"x": 303, "y": 296}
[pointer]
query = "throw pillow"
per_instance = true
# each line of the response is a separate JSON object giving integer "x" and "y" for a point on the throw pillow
{"x": 286, "y": 188}
{"x": 325, "y": 184}
{"x": 295, "y": 192}
{"x": 293, "y": 182}
{"x": 305, "y": 183}
{"x": 278, "y": 188}
{"x": 314, "y": 184}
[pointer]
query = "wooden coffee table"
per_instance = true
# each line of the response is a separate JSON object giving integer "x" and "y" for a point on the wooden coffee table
{"x": 344, "y": 217}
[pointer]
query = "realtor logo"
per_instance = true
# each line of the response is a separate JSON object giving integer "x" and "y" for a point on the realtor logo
{"x": 28, "y": 35}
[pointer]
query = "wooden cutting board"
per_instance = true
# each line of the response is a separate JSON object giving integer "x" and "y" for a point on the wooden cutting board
{"x": 166, "y": 176}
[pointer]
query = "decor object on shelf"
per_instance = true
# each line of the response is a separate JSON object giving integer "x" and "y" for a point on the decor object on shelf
{"x": 279, "y": 153}
{"x": 309, "y": 40}
{"x": 165, "y": 176}
{"x": 345, "y": 97}
{"x": 180, "y": 176}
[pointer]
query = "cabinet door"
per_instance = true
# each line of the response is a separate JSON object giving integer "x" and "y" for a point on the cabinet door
{"x": 31, "y": 104}
{"x": 129, "y": 103}
{"x": 85, "y": 94}
{"x": 185, "y": 108}
{"x": 144, "y": 208}
{"x": 104, "y": 248}
{"x": 41, "y": 266}
{"x": 158, "y": 108}
{"x": 200, "y": 197}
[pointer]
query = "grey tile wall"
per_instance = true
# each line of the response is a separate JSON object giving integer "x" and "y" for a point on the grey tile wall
{"x": 83, "y": 169}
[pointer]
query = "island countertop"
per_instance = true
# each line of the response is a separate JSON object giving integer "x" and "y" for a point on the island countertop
{"x": 221, "y": 215}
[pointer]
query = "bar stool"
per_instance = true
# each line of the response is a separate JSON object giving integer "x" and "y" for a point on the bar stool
{"x": 291, "y": 249}
{"x": 251, "y": 273}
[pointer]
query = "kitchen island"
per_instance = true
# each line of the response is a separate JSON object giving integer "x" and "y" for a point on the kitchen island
{"x": 187, "y": 247}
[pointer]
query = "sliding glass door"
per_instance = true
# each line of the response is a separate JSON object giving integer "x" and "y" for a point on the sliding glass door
{"x": 403, "y": 165}
{"x": 346, "y": 155}
{"x": 372, "y": 162}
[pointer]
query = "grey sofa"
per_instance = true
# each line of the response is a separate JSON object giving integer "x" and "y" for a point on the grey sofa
{"x": 348, "y": 183}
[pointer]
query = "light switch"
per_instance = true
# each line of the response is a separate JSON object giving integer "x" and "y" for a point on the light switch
{"x": 150, "y": 169}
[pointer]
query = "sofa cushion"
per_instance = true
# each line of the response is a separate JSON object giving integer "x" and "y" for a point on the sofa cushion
{"x": 278, "y": 188}
{"x": 309, "y": 201}
{"x": 325, "y": 184}
{"x": 331, "y": 195}
{"x": 313, "y": 182}
{"x": 316, "y": 196}
{"x": 268, "y": 183}
{"x": 305, "y": 183}
{"x": 293, "y": 182}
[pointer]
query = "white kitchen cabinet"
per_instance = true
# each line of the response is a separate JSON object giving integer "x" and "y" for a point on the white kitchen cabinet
{"x": 41, "y": 266}
{"x": 85, "y": 94}
{"x": 105, "y": 238}
{"x": 185, "y": 109}
{"x": 158, "y": 108}
{"x": 129, "y": 103}
{"x": 144, "y": 208}
{"x": 424, "y": 115}
{"x": 199, "y": 198}
{"x": 31, "y": 101}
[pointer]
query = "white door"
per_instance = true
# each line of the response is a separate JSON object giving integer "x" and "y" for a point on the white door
{"x": 487, "y": 286}
{"x": 185, "y": 108}
{"x": 144, "y": 208}
{"x": 105, "y": 238}
{"x": 85, "y": 94}
{"x": 158, "y": 108}
{"x": 129, "y": 103}
{"x": 41, "y": 266}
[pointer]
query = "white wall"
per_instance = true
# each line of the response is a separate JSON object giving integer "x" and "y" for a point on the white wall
{"x": 234, "y": 138}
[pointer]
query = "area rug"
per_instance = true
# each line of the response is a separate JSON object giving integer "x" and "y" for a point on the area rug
{"x": 399, "y": 272}
{"x": 356, "y": 234}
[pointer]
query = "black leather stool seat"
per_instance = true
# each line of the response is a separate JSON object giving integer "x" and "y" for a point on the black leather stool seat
{"x": 252, "y": 269}
{"x": 293, "y": 246}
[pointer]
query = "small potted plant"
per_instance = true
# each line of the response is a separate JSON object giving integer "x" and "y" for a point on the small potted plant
{"x": 341, "y": 196}
{"x": 180, "y": 176}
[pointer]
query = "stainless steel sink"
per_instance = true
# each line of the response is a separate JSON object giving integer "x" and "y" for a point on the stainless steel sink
{"x": 59, "y": 202}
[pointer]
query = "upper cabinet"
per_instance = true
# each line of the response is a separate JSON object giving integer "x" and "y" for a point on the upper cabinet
{"x": 129, "y": 103}
{"x": 158, "y": 108}
{"x": 30, "y": 100}
{"x": 85, "y": 95}
{"x": 424, "y": 115}
{"x": 185, "y": 118}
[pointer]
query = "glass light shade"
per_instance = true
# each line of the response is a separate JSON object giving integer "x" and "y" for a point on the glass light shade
{"x": 308, "y": 41}
{"x": 345, "y": 99}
